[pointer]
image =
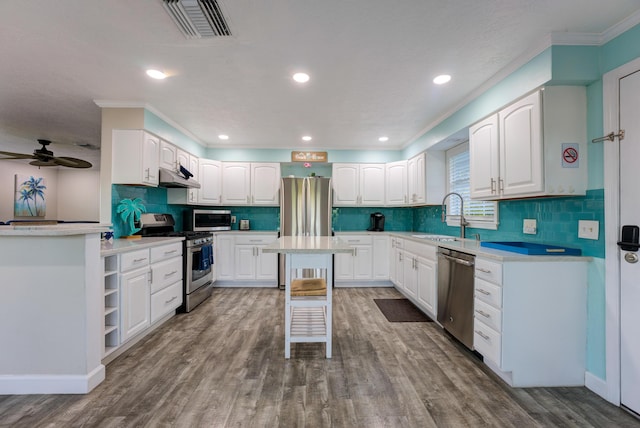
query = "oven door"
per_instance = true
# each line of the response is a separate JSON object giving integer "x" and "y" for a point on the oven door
{"x": 199, "y": 269}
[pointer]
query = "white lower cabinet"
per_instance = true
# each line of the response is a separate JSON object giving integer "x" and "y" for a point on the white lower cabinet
{"x": 135, "y": 287}
{"x": 367, "y": 266}
{"x": 240, "y": 261}
{"x": 530, "y": 320}
{"x": 141, "y": 287}
{"x": 224, "y": 257}
{"x": 418, "y": 264}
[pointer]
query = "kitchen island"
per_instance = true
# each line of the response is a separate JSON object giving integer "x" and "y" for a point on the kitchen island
{"x": 51, "y": 294}
{"x": 308, "y": 318}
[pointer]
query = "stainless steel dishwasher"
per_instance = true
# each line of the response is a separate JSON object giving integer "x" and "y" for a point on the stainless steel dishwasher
{"x": 455, "y": 294}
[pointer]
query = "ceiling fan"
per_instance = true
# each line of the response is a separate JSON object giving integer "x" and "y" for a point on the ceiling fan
{"x": 45, "y": 157}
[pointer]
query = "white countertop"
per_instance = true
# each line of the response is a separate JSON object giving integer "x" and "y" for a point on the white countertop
{"x": 108, "y": 248}
{"x": 308, "y": 245}
{"x": 62, "y": 229}
{"x": 471, "y": 246}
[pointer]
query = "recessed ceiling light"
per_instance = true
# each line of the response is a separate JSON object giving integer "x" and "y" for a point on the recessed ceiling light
{"x": 156, "y": 74}
{"x": 306, "y": 138}
{"x": 443, "y": 78}
{"x": 383, "y": 139}
{"x": 223, "y": 137}
{"x": 301, "y": 77}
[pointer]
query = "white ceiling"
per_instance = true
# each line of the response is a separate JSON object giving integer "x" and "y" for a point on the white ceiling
{"x": 371, "y": 64}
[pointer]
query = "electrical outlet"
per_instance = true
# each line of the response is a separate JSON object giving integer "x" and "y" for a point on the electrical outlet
{"x": 530, "y": 226}
{"x": 233, "y": 219}
{"x": 588, "y": 229}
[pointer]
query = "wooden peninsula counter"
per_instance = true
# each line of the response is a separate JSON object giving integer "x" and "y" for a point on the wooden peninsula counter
{"x": 308, "y": 318}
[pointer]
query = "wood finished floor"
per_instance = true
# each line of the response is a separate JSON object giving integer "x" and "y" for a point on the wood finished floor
{"x": 223, "y": 366}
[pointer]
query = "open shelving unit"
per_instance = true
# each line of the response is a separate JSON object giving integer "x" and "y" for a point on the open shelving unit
{"x": 111, "y": 304}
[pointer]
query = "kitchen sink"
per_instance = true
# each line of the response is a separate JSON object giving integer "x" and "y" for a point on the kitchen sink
{"x": 440, "y": 238}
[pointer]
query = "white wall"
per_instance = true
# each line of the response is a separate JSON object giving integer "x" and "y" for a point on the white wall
{"x": 78, "y": 194}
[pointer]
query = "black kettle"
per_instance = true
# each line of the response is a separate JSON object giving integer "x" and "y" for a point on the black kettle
{"x": 377, "y": 222}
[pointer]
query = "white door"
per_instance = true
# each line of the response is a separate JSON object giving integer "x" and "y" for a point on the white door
{"x": 396, "y": 183}
{"x": 520, "y": 130}
{"x": 135, "y": 304}
{"x": 265, "y": 183}
{"x": 629, "y": 215}
{"x": 427, "y": 280}
{"x": 210, "y": 176}
{"x": 236, "y": 183}
{"x": 484, "y": 158}
{"x": 372, "y": 184}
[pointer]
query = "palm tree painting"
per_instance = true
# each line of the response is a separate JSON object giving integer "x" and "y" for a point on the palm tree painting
{"x": 30, "y": 198}
{"x": 130, "y": 211}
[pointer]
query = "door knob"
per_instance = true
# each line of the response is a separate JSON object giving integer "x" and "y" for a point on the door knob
{"x": 631, "y": 257}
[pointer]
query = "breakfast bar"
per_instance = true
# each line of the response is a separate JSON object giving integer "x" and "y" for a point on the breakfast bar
{"x": 308, "y": 310}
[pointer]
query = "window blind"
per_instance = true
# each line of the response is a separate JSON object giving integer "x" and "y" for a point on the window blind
{"x": 459, "y": 182}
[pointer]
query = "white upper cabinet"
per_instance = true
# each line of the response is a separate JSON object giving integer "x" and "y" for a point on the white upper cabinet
{"x": 250, "y": 183}
{"x": 210, "y": 179}
{"x": 396, "y": 180}
{"x": 417, "y": 180}
{"x": 483, "y": 158}
{"x": 168, "y": 155}
{"x": 358, "y": 184}
{"x": 135, "y": 157}
{"x": 265, "y": 183}
{"x": 533, "y": 147}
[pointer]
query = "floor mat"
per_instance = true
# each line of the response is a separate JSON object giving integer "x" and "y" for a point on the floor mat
{"x": 401, "y": 310}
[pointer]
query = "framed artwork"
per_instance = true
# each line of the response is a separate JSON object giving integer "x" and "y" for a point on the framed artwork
{"x": 30, "y": 195}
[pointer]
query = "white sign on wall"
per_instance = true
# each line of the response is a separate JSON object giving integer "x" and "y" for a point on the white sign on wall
{"x": 570, "y": 155}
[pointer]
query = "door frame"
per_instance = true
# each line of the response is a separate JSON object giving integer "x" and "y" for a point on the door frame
{"x": 611, "y": 150}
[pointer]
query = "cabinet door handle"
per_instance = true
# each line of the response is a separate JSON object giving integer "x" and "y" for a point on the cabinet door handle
{"x": 485, "y": 292}
{"x": 484, "y": 314}
{"x": 483, "y": 270}
{"x": 500, "y": 185}
{"x": 166, "y": 275}
{"x": 482, "y": 335}
{"x": 170, "y": 300}
{"x": 493, "y": 186}
{"x": 170, "y": 252}
{"x": 139, "y": 260}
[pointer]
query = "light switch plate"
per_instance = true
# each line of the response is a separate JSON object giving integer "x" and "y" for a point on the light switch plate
{"x": 233, "y": 219}
{"x": 588, "y": 229}
{"x": 530, "y": 226}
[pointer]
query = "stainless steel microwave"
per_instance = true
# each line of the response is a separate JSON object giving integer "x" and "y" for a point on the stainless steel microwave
{"x": 209, "y": 220}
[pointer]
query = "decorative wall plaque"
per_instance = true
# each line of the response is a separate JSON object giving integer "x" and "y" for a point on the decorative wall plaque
{"x": 308, "y": 156}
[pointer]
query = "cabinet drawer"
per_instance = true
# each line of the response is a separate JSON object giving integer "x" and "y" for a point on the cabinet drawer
{"x": 165, "y": 273}
{"x": 134, "y": 259}
{"x": 166, "y": 251}
{"x": 489, "y": 271}
{"x": 488, "y": 315}
{"x": 356, "y": 240}
{"x": 254, "y": 240}
{"x": 488, "y": 292}
{"x": 487, "y": 342}
{"x": 165, "y": 301}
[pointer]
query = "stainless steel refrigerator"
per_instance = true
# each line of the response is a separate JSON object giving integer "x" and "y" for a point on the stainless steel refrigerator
{"x": 305, "y": 210}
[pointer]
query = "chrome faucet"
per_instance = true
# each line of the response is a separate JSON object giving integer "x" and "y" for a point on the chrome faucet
{"x": 463, "y": 221}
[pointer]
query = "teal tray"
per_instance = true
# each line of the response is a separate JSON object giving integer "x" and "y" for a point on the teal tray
{"x": 532, "y": 249}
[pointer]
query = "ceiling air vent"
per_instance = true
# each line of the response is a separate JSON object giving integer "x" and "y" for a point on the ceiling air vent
{"x": 198, "y": 18}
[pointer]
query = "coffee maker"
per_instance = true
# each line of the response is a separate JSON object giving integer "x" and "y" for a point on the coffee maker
{"x": 376, "y": 222}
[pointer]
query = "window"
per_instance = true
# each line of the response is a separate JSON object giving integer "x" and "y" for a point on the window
{"x": 479, "y": 214}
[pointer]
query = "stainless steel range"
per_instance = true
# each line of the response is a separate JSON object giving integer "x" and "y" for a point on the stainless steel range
{"x": 197, "y": 255}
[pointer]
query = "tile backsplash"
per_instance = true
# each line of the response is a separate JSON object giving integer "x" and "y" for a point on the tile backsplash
{"x": 557, "y": 218}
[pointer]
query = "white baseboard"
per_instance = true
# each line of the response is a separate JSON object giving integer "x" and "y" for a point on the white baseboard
{"x": 51, "y": 384}
{"x": 595, "y": 384}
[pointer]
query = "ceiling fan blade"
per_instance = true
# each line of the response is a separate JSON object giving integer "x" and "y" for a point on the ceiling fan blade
{"x": 71, "y": 162}
{"x": 39, "y": 163}
{"x": 16, "y": 155}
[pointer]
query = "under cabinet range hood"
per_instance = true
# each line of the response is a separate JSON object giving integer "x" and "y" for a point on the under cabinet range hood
{"x": 170, "y": 178}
